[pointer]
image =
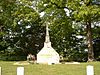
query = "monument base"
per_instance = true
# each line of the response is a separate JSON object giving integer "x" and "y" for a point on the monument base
{"x": 48, "y": 55}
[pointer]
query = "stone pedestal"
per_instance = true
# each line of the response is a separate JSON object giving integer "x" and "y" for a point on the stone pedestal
{"x": 47, "y": 55}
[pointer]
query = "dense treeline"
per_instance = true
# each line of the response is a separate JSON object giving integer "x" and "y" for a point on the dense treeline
{"x": 74, "y": 28}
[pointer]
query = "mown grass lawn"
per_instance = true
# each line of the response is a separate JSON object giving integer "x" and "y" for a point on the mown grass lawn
{"x": 42, "y": 69}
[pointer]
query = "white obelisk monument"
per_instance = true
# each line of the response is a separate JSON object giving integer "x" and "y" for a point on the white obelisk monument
{"x": 47, "y": 53}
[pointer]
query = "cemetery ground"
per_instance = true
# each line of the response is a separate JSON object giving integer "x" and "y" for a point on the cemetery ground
{"x": 8, "y": 68}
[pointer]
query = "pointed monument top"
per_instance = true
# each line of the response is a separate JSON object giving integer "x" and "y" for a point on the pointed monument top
{"x": 47, "y": 38}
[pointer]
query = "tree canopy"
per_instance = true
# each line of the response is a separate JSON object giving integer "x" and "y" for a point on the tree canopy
{"x": 73, "y": 26}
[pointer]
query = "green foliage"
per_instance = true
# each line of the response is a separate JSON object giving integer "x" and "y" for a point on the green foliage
{"x": 22, "y": 27}
{"x": 86, "y": 13}
{"x": 81, "y": 10}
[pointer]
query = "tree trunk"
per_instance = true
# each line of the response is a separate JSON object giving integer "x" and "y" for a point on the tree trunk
{"x": 89, "y": 42}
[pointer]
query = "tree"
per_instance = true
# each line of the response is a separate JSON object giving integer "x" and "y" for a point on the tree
{"x": 5, "y": 21}
{"x": 22, "y": 30}
{"x": 60, "y": 24}
{"x": 61, "y": 28}
{"x": 81, "y": 13}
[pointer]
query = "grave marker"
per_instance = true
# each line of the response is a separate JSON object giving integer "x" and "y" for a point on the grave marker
{"x": 90, "y": 70}
{"x": 0, "y": 70}
{"x": 20, "y": 70}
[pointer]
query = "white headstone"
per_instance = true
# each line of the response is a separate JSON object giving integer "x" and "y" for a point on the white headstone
{"x": 0, "y": 70}
{"x": 90, "y": 70}
{"x": 20, "y": 70}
